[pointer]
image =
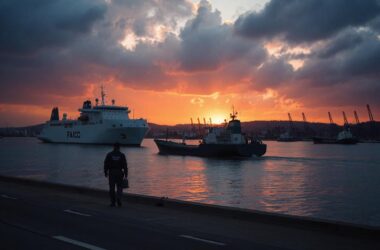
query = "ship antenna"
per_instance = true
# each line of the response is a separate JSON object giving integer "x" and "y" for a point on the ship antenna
{"x": 234, "y": 114}
{"x": 102, "y": 94}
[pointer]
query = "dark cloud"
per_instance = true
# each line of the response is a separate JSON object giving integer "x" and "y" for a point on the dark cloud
{"x": 306, "y": 20}
{"x": 345, "y": 71}
{"x": 208, "y": 44}
{"x": 353, "y": 93}
{"x": 27, "y": 26}
{"x": 142, "y": 15}
{"x": 341, "y": 69}
{"x": 273, "y": 73}
{"x": 375, "y": 24}
{"x": 348, "y": 57}
{"x": 54, "y": 48}
{"x": 347, "y": 40}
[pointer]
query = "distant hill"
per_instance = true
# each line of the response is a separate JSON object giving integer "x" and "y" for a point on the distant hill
{"x": 264, "y": 129}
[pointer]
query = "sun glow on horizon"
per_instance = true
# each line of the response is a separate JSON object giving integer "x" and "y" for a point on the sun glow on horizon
{"x": 218, "y": 119}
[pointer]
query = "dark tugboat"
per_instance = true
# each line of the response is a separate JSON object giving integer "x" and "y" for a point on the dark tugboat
{"x": 344, "y": 137}
{"x": 225, "y": 141}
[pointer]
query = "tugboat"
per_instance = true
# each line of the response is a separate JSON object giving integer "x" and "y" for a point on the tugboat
{"x": 225, "y": 141}
{"x": 344, "y": 137}
{"x": 98, "y": 124}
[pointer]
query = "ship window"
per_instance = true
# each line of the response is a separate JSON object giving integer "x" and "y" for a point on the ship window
{"x": 121, "y": 125}
{"x": 113, "y": 125}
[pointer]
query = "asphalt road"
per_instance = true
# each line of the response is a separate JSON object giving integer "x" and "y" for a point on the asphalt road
{"x": 40, "y": 218}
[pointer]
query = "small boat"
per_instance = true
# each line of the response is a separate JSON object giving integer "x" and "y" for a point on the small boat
{"x": 344, "y": 137}
{"x": 287, "y": 137}
{"x": 225, "y": 141}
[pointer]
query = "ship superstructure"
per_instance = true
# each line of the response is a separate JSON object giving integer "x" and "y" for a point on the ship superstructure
{"x": 99, "y": 124}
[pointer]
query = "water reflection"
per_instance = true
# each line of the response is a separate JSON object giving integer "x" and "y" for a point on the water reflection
{"x": 285, "y": 189}
{"x": 224, "y": 178}
{"x": 334, "y": 182}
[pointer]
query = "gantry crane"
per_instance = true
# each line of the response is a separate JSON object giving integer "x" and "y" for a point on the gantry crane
{"x": 356, "y": 117}
{"x": 345, "y": 118}
{"x": 370, "y": 114}
{"x": 330, "y": 118}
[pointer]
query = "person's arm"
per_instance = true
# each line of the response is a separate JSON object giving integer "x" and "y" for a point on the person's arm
{"x": 106, "y": 165}
{"x": 125, "y": 166}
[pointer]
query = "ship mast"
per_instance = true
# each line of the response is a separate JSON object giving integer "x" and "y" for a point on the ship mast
{"x": 103, "y": 95}
{"x": 234, "y": 114}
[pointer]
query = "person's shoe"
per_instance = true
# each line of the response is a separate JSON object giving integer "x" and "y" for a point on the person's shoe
{"x": 112, "y": 204}
{"x": 119, "y": 203}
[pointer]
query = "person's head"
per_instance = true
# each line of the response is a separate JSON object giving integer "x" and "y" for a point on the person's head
{"x": 116, "y": 146}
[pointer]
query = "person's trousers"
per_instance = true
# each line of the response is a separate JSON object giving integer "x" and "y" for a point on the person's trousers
{"x": 115, "y": 181}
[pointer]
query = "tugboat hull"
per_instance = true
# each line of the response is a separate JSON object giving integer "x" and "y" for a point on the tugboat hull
{"x": 211, "y": 150}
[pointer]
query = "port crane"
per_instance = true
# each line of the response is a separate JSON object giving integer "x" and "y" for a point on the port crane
{"x": 356, "y": 117}
{"x": 370, "y": 113}
{"x": 193, "y": 128}
{"x": 199, "y": 127}
{"x": 345, "y": 119}
{"x": 290, "y": 118}
{"x": 308, "y": 130}
{"x": 291, "y": 126}
{"x": 330, "y": 118}
{"x": 304, "y": 117}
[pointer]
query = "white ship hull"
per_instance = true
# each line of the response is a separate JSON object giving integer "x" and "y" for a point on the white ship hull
{"x": 94, "y": 134}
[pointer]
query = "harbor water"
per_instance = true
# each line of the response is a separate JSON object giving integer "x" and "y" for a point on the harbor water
{"x": 336, "y": 182}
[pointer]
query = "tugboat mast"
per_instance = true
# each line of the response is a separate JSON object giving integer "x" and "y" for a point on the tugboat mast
{"x": 234, "y": 114}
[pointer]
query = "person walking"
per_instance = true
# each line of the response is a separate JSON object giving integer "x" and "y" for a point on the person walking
{"x": 116, "y": 169}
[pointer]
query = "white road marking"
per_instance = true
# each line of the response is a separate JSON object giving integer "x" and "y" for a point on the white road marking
{"x": 75, "y": 212}
{"x": 77, "y": 243}
{"x": 8, "y": 197}
{"x": 203, "y": 240}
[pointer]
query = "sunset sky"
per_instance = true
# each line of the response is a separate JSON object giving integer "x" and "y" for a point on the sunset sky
{"x": 169, "y": 60}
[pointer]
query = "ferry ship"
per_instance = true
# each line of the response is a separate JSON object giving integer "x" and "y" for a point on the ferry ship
{"x": 228, "y": 141}
{"x": 99, "y": 124}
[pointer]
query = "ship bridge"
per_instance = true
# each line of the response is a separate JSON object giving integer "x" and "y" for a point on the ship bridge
{"x": 234, "y": 127}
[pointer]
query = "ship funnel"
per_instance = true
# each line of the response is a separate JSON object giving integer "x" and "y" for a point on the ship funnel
{"x": 54, "y": 114}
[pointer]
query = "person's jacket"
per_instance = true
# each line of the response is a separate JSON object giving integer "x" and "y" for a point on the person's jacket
{"x": 115, "y": 164}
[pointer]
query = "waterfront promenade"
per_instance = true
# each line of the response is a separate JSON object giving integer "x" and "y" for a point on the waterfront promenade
{"x": 36, "y": 215}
